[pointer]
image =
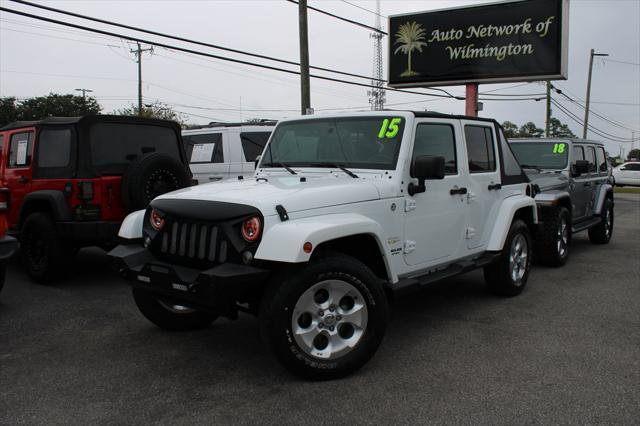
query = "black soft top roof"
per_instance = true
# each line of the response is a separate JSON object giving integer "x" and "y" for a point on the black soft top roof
{"x": 88, "y": 119}
{"x": 434, "y": 114}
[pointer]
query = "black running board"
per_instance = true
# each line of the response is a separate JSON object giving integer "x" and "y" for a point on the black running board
{"x": 578, "y": 227}
{"x": 410, "y": 284}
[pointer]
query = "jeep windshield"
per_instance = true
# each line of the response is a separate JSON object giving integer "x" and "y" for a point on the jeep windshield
{"x": 349, "y": 142}
{"x": 541, "y": 155}
{"x": 115, "y": 145}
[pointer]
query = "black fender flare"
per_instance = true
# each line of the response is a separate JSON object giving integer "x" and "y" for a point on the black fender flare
{"x": 55, "y": 200}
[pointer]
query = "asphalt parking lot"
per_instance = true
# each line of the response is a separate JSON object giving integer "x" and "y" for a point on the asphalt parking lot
{"x": 566, "y": 351}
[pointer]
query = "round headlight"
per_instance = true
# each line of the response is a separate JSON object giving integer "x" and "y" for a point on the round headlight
{"x": 251, "y": 229}
{"x": 156, "y": 220}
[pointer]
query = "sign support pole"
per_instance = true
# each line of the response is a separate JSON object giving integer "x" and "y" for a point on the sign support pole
{"x": 471, "y": 103}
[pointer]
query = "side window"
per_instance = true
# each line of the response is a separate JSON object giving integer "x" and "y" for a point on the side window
{"x": 590, "y": 156}
{"x": 437, "y": 140}
{"x": 602, "y": 160}
{"x": 54, "y": 148}
{"x": 511, "y": 165}
{"x": 480, "y": 149}
{"x": 253, "y": 144}
{"x": 632, "y": 166}
{"x": 206, "y": 148}
{"x": 20, "y": 149}
{"x": 578, "y": 154}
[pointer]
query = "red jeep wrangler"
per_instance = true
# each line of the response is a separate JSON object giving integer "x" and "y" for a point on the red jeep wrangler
{"x": 67, "y": 183}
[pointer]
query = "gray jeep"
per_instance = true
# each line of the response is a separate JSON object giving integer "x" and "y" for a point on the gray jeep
{"x": 572, "y": 180}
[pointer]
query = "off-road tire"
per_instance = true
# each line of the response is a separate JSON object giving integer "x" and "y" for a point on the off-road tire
{"x": 498, "y": 275}
{"x": 152, "y": 175}
{"x": 551, "y": 250}
{"x": 285, "y": 291}
{"x": 161, "y": 314}
{"x": 44, "y": 252}
{"x": 602, "y": 232}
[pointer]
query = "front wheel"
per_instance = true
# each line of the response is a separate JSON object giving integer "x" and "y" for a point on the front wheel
{"x": 508, "y": 276}
{"x": 326, "y": 320}
{"x": 169, "y": 315}
{"x": 554, "y": 237}
{"x": 601, "y": 233}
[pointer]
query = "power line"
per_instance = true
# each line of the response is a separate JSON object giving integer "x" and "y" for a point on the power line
{"x": 595, "y": 130}
{"x": 324, "y": 12}
{"x": 183, "y": 39}
{"x": 622, "y": 62}
{"x": 223, "y": 58}
{"x": 364, "y": 8}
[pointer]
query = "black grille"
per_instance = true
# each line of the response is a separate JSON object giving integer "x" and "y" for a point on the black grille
{"x": 196, "y": 241}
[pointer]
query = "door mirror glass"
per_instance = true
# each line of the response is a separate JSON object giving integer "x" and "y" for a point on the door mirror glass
{"x": 428, "y": 167}
{"x": 581, "y": 167}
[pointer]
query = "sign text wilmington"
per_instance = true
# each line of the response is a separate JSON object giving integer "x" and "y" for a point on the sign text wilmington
{"x": 471, "y": 51}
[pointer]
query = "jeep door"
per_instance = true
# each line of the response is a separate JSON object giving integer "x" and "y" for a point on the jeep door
{"x": 435, "y": 219}
{"x": 581, "y": 186}
{"x": 206, "y": 155}
{"x": 484, "y": 178}
{"x": 18, "y": 172}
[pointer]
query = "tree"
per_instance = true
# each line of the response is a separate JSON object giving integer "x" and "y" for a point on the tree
{"x": 634, "y": 154}
{"x": 510, "y": 129}
{"x": 57, "y": 105}
{"x": 154, "y": 110}
{"x": 559, "y": 130}
{"x": 530, "y": 130}
{"x": 410, "y": 37}
{"x": 8, "y": 111}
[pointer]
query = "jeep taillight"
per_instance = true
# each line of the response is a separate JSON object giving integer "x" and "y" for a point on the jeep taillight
{"x": 251, "y": 229}
{"x": 85, "y": 192}
{"x": 3, "y": 225}
{"x": 4, "y": 199}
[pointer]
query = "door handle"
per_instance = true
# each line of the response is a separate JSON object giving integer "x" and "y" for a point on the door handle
{"x": 460, "y": 191}
{"x": 494, "y": 186}
{"x": 23, "y": 179}
{"x": 215, "y": 178}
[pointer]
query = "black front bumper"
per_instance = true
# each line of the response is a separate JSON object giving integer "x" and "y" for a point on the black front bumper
{"x": 8, "y": 246}
{"x": 217, "y": 289}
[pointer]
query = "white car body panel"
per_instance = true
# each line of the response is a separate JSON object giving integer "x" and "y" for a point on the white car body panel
{"x": 131, "y": 227}
{"x": 624, "y": 175}
{"x": 505, "y": 215}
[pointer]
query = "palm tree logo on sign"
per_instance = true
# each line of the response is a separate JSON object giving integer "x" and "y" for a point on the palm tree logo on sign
{"x": 410, "y": 37}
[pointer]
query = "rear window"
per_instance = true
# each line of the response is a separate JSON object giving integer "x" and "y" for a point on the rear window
{"x": 480, "y": 149}
{"x": 253, "y": 144}
{"x": 54, "y": 148}
{"x": 204, "y": 148}
{"x": 114, "y": 145}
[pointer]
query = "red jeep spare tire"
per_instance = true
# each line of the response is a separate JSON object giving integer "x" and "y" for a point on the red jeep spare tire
{"x": 152, "y": 175}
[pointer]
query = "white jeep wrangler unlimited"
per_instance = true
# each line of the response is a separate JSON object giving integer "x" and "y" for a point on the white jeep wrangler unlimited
{"x": 343, "y": 212}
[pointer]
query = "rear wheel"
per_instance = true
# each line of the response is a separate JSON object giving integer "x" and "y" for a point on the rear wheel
{"x": 601, "y": 233}
{"x": 326, "y": 320}
{"x": 44, "y": 252}
{"x": 168, "y": 315}
{"x": 508, "y": 276}
{"x": 554, "y": 238}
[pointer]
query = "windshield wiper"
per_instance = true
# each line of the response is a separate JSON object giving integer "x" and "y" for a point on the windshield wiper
{"x": 283, "y": 165}
{"x": 529, "y": 166}
{"x": 337, "y": 166}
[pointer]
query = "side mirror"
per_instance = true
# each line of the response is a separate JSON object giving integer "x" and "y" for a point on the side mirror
{"x": 256, "y": 161}
{"x": 425, "y": 167}
{"x": 580, "y": 167}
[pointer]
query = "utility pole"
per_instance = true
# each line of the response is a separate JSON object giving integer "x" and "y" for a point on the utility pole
{"x": 138, "y": 52}
{"x": 305, "y": 87}
{"x": 547, "y": 131}
{"x": 586, "y": 107}
{"x": 84, "y": 93}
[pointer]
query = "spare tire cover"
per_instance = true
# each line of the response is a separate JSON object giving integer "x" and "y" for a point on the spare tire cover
{"x": 152, "y": 175}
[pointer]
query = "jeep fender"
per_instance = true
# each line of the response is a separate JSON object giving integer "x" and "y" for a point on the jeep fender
{"x": 507, "y": 211}
{"x": 283, "y": 242}
{"x": 603, "y": 193}
{"x": 131, "y": 227}
{"x": 55, "y": 201}
{"x": 552, "y": 198}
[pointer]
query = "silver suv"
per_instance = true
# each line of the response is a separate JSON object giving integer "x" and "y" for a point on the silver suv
{"x": 572, "y": 179}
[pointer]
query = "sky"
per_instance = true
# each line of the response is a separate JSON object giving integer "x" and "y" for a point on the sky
{"x": 37, "y": 58}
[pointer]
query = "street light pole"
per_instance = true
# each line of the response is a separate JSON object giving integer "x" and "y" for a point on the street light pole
{"x": 586, "y": 107}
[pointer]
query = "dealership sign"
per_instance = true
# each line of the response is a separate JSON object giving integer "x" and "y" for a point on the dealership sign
{"x": 497, "y": 42}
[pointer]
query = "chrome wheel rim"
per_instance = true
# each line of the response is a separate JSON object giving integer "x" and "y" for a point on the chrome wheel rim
{"x": 563, "y": 237}
{"x": 518, "y": 255}
{"x": 176, "y": 309}
{"x": 608, "y": 223}
{"x": 329, "y": 319}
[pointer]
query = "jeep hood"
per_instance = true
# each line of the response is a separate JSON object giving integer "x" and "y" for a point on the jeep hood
{"x": 547, "y": 181}
{"x": 289, "y": 191}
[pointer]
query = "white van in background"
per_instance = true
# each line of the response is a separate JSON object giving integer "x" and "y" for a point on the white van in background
{"x": 223, "y": 150}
